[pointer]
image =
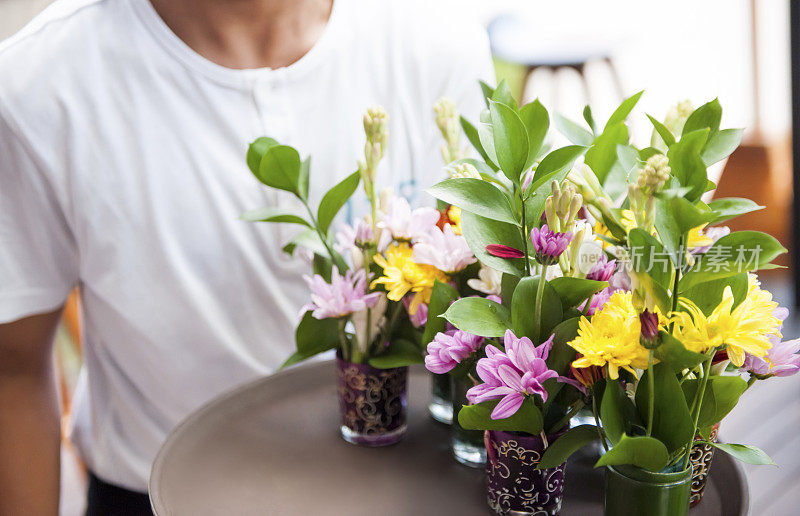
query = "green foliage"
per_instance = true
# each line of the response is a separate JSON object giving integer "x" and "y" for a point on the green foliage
{"x": 730, "y": 207}
{"x": 643, "y": 452}
{"x": 720, "y": 397}
{"x": 510, "y": 140}
{"x": 475, "y": 196}
{"x": 474, "y": 138}
{"x": 587, "y": 115}
{"x": 399, "y": 353}
{"x": 560, "y": 450}
{"x": 308, "y": 239}
{"x": 536, "y": 120}
{"x": 273, "y": 215}
{"x": 624, "y": 109}
{"x": 313, "y": 336}
{"x": 673, "y": 353}
{"x": 707, "y": 116}
{"x": 573, "y": 132}
{"x": 335, "y": 199}
{"x": 523, "y": 307}
{"x": 675, "y": 217}
{"x": 708, "y": 295}
{"x": 616, "y": 411}
{"x": 561, "y": 354}
{"x": 480, "y": 232}
{"x": 574, "y": 291}
{"x": 602, "y": 155}
{"x": 280, "y": 168}
{"x": 662, "y": 131}
{"x": 687, "y": 165}
{"x": 745, "y": 453}
{"x": 720, "y": 145}
{"x": 508, "y": 283}
{"x": 742, "y": 251}
{"x": 256, "y": 151}
{"x": 503, "y": 95}
{"x": 478, "y": 417}
{"x": 442, "y": 296}
{"x": 672, "y": 423}
{"x": 479, "y": 316}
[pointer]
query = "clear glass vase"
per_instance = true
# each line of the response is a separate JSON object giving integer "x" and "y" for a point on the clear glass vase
{"x": 468, "y": 446}
{"x": 441, "y": 405}
{"x": 372, "y": 403}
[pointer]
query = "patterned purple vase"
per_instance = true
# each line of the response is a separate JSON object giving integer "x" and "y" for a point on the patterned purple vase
{"x": 701, "y": 466}
{"x": 372, "y": 403}
{"x": 514, "y": 485}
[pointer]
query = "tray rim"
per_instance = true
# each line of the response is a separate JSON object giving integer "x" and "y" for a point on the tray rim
{"x": 156, "y": 470}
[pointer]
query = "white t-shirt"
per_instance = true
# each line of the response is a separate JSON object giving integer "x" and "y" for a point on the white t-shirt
{"x": 122, "y": 170}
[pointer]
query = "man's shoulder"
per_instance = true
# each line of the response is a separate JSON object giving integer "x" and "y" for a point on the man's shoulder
{"x": 50, "y": 55}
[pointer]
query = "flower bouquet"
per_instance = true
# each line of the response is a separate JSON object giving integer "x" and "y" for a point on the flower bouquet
{"x": 510, "y": 351}
{"x": 371, "y": 281}
{"x": 644, "y": 302}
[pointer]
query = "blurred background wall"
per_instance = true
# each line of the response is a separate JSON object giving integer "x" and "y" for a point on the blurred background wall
{"x": 737, "y": 50}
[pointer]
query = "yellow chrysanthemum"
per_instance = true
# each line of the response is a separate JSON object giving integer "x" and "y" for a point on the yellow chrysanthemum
{"x": 454, "y": 214}
{"x": 744, "y": 329}
{"x": 611, "y": 337}
{"x": 401, "y": 275}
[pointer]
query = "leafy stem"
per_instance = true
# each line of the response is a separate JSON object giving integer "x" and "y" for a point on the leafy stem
{"x": 697, "y": 404}
{"x": 651, "y": 383}
{"x": 678, "y": 267}
{"x": 539, "y": 299}
{"x": 335, "y": 257}
{"x": 597, "y": 422}
{"x": 525, "y": 235}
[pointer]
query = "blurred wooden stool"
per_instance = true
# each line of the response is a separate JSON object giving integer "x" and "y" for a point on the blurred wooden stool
{"x": 513, "y": 41}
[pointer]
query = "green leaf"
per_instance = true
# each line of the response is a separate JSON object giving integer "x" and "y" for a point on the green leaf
{"x": 335, "y": 199}
{"x": 280, "y": 168}
{"x": 562, "y": 448}
{"x": 472, "y": 135}
{"x": 273, "y": 215}
{"x": 708, "y": 295}
{"x": 649, "y": 257}
{"x": 510, "y": 140}
{"x": 643, "y": 452}
{"x": 742, "y": 251}
{"x": 687, "y": 165}
{"x": 673, "y": 353}
{"x": 730, "y": 207}
{"x": 624, "y": 109}
{"x": 486, "y": 137}
{"x": 561, "y": 354}
{"x": 487, "y": 91}
{"x": 587, "y": 115}
{"x": 536, "y": 120}
{"x": 478, "y": 417}
{"x": 574, "y": 291}
{"x": 558, "y": 162}
{"x": 672, "y": 423}
{"x": 508, "y": 284}
{"x": 720, "y": 145}
{"x": 479, "y": 316}
{"x": 480, "y": 232}
{"x": 523, "y": 308}
{"x": 303, "y": 178}
{"x": 399, "y": 353}
{"x": 503, "y": 95}
{"x": 628, "y": 158}
{"x": 313, "y": 336}
{"x": 308, "y": 239}
{"x": 256, "y": 151}
{"x": 721, "y": 396}
{"x": 662, "y": 131}
{"x": 707, "y": 116}
{"x": 442, "y": 296}
{"x": 675, "y": 216}
{"x": 475, "y": 196}
{"x": 573, "y": 132}
{"x": 602, "y": 155}
{"x": 745, "y": 453}
{"x": 612, "y": 410}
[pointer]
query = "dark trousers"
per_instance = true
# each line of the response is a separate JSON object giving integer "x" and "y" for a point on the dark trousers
{"x": 104, "y": 499}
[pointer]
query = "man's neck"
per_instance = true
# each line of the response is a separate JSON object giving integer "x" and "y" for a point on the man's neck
{"x": 247, "y": 33}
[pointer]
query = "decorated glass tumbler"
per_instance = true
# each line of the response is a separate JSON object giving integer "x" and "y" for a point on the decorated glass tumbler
{"x": 514, "y": 485}
{"x": 372, "y": 403}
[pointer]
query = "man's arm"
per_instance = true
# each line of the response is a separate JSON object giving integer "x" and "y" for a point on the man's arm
{"x": 30, "y": 428}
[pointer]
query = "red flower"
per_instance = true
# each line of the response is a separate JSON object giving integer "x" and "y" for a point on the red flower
{"x": 504, "y": 251}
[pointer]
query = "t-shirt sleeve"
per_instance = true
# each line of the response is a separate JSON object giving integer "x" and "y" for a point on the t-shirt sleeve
{"x": 38, "y": 256}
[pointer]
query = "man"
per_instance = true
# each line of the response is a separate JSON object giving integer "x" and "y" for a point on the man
{"x": 123, "y": 131}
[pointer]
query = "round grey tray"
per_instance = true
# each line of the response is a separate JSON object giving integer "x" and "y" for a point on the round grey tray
{"x": 273, "y": 447}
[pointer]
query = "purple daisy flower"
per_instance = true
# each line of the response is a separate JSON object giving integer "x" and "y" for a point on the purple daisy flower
{"x": 548, "y": 245}
{"x": 602, "y": 270}
{"x": 449, "y": 349}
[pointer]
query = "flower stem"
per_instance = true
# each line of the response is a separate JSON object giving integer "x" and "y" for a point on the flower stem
{"x": 387, "y": 330}
{"x": 678, "y": 267}
{"x": 651, "y": 383}
{"x": 525, "y": 236}
{"x": 335, "y": 258}
{"x": 538, "y": 308}
{"x": 698, "y": 405}
{"x": 348, "y": 353}
{"x": 597, "y": 422}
